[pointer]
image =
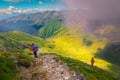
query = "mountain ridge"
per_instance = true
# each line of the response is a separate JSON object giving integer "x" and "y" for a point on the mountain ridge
{"x": 29, "y": 23}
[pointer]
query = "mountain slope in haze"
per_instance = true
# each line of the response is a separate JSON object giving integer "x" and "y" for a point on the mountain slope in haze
{"x": 110, "y": 53}
{"x": 29, "y": 23}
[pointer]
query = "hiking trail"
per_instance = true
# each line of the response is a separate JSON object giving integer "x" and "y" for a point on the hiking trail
{"x": 49, "y": 67}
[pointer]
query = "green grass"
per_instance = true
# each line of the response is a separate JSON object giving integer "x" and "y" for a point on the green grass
{"x": 83, "y": 48}
{"x": 7, "y": 68}
{"x": 16, "y": 45}
{"x": 52, "y": 28}
{"x": 90, "y": 72}
{"x": 20, "y": 42}
{"x": 73, "y": 49}
{"x": 22, "y": 38}
{"x": 24, "y": 60}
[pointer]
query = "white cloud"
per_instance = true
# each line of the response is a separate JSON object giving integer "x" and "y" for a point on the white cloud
{"x": 8, "y": 10}
{"x": 40, "y": 2}
{"x": 12, "y": 10}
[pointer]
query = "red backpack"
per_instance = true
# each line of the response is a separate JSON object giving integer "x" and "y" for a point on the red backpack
{"x": 32, "y": 48}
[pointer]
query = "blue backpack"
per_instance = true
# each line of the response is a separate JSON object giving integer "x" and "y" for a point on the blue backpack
{"x": 35, "y": 48}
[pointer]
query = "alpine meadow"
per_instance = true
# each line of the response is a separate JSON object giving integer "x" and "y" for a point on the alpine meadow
{"x": 76, "y": 40}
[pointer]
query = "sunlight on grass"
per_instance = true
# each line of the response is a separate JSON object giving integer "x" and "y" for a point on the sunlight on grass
{"x": 102, "y": 64}
{"x": 75, "y": 48}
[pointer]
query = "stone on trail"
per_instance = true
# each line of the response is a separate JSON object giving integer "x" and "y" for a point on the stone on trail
{"x": 50, "y": 67}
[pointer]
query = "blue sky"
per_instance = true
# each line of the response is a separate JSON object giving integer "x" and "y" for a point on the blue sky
{"x": 12, "y": 7}
{"x": 29, "y": 3}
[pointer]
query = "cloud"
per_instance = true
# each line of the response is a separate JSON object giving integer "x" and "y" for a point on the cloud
{"x": 91, "y": 15}
{"x": 84, "y": 10}
{"x": 12, "y": 10}
{"x": 9, "y": 10}
{"x": 40, "y": 2}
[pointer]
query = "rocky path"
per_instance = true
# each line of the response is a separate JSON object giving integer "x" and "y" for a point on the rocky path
{"x": 50, "y": 67}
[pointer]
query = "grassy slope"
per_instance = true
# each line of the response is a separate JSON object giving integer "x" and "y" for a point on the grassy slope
{"x": 7, "y": 68}
{"x": 111, "y": 53}
{"x": 17, "y": 41}
{"x": 52, "y": 28}
{"x": 12, "y": 43}
{"x": 90, "y": 72}
{"x": 67, "y": 46}
{"x": 76, "y": 47}
{"x": 22, "y": 38}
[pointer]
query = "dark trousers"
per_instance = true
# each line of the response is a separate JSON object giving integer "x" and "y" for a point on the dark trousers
{"x": 35, "y": 54}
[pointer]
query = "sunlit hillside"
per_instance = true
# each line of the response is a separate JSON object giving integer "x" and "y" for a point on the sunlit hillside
{"x": 83, "y": 48}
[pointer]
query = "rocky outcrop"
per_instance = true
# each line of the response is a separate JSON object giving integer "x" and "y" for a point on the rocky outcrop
{"x": 49, "y": 67}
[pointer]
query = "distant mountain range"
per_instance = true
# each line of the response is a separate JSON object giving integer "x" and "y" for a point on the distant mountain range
{"x": 30, "y": 23}
{"x": 51, "y": 23}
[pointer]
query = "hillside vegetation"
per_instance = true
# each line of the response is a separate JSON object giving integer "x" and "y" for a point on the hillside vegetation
{"x": 110, "y": 53}
{"x": 14, "y": 46}
{"x": 9, "y": 70}
{"x": 90, "y": 72}
{"x": 52, "y": 28}
{"x": 17, "y": 41}
{"x": 82, "y": 47}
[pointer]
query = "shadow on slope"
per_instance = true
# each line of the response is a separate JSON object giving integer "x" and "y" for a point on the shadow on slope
{"x": 110, "y": 53}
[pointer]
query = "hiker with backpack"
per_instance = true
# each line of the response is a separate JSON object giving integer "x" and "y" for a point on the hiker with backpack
{"x": 92, "y": 61}
{"x": 34, "y": 48}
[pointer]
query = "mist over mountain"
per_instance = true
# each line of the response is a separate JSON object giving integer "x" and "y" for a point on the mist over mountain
{"x": 109, "y": 29}
{"x": 92, "y": 15}
{"x": 29, "y": 23}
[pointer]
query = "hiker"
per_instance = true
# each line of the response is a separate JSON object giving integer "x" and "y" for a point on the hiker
{"x": 34, "y": 48}
{"x": 92, "y": 61}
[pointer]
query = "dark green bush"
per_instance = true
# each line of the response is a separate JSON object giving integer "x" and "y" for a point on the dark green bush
{"x": 7, "y": 68}
{"x": 24, "y": 60}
